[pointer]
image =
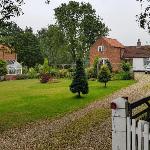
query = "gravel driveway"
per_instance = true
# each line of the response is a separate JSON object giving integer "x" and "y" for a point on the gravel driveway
{"x": 49, "y": 134}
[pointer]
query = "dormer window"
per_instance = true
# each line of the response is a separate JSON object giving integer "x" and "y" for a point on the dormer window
{"x": 101, "y": 48}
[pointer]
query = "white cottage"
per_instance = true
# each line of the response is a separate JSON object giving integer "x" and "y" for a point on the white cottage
{"x": 139, "y": 56}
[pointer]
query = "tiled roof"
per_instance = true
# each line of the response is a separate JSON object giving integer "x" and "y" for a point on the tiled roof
{"x": 113, "y": 42}
{"x": 134, "y": 52}
{"x": 5, "y": 48}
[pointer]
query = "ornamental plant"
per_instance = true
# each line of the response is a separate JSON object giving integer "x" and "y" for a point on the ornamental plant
{"x": 126, "y": 66}
{"x": 79, "y": 84}
{"x": 3, "y": 69}
{"x": 44, "y": 78}
{"x": 104, "y": 75}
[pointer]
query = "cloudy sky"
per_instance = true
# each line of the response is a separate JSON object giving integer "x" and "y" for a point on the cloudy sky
{"x": 118, "y": 15}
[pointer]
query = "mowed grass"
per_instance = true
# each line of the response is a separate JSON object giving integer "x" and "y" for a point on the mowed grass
{"x": 26, "y": 101}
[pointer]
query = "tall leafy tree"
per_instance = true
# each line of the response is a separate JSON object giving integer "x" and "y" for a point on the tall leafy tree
{"x": 24, "y": 43}
{"x": 10, "y": 35}
{"x": 81, "y": 27}
{"x": 10, "y": 8}
{"x": 53, "y": 45}
{"x": 30, "y": 53}
{"x": 144, "y": 16}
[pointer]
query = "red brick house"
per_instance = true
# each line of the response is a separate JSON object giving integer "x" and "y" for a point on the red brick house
{"x": 7, "y": 54}
{"x": 107, "y": 49}
{"x": 13, "y": 67}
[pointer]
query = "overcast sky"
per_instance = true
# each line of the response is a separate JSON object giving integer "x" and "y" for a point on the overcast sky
{"x": 118, "y": 15}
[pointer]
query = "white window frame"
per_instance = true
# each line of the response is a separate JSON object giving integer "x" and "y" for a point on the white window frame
{"x": 101, "y": 48}
{"x": 104, "y": 60}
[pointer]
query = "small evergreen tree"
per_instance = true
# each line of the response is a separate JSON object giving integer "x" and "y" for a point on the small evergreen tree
{"x": 3, "y": 69}
{"x": 79, "y": 84}
{"x": 104, "y": 74}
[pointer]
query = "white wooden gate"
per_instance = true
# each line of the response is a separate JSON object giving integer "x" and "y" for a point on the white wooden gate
{"x": 127, "y": 133}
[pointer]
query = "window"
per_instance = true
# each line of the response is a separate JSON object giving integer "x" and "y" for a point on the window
{"x": 101, "y": 48}
{"x": 146, "y": 61}
{"x": 103, "y": 60}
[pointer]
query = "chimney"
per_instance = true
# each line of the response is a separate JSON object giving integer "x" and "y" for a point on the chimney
{"x": 138, "y": 43}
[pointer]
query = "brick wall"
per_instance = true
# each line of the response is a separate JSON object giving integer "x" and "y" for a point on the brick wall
{"x": 9, "y": 56}
{"x": 5, "y": 54}
{"x": 112, "y": 53}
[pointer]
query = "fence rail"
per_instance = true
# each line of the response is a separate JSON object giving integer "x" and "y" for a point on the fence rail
{"x": 129, "y": 133}
{"x": 140, "y": 112}
{"x": 138, "y": 135}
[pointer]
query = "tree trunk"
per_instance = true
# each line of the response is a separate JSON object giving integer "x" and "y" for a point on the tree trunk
{"x": 105, "y": 84}
{"x": 79, "y": 94}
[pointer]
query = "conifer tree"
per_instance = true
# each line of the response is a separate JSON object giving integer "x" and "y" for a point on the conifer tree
{"x": 104, "y": 74}
{"x": 79, "y": 84}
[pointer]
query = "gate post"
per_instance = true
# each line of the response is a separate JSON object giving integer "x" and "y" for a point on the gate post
{"x": 119, "y": 124}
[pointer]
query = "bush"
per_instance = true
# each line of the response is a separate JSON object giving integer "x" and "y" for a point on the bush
{"x": 90, "y": 72}
{"x": 63, "y": 73}
{"x": 44, "y": 78}
{"x": 21, "y": 77}
{"x": 126, "y": 76}
{"x": 43, "y": 69}
{"x": 32, "y": 74}
{"x": 3, "y": 69}
{"x": 79, "y": 83}
{"x": 25, "y": 70}
{"x": 126, "y": 66}
{"x": 122, "y": 76}
{"x": 104, "y": 74}
{"x": 54, "y": 72}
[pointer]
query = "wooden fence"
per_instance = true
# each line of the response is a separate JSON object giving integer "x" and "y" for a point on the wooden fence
{"x": 129, "y": 133}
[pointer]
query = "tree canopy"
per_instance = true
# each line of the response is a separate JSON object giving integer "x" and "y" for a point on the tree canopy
{"x": 144, "y": 16}
{"x": 53, "y": 45}
{"x": 10, "y": 8}
{"x": 23, "y": 42}
{"x": 81, "y": 27}
{"x": 29, "y": 53}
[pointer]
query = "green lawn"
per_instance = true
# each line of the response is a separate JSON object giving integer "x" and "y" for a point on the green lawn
{"x": 28, "y": 100}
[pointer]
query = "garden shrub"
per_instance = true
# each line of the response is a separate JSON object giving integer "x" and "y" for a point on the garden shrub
{"x": 104, "y": 74}
{"x": 3, "y": 69}
{"x": 90, "y": 72}
{"x": 54, "y": 72}
{"x": 63, "y": 73}
{"x": 43, "y": 69}
{"x": 25, "y": 70}
{"x": 126, "y": 66}
{"x": 122, "y": 76}
{"x": 32, "y": 74}
{"x": 70, "y": 73}
{"x": 126, "y": 76}
{"x": 44, "y": 78}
